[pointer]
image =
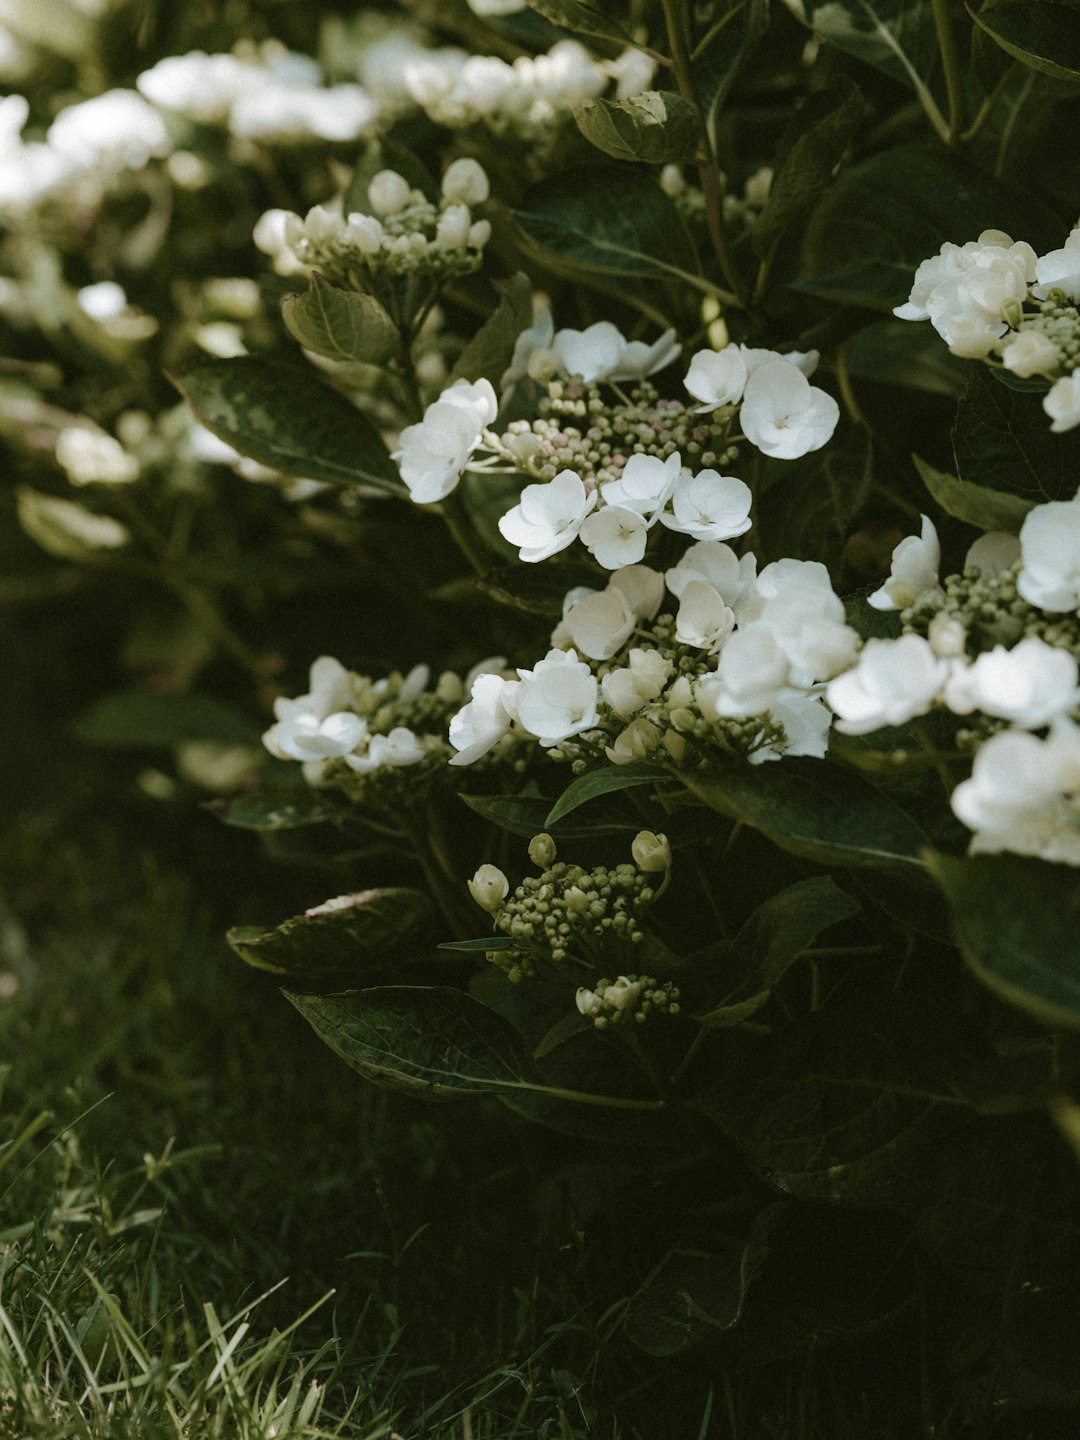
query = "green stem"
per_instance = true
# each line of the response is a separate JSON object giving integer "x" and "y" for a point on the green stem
{"x": 460, "y": 527}
{"x": 645, "y": 1061}
{"x": 950, "y": 63}
{"x": 583, "y": 1097}
{"x": 986, "y": 108}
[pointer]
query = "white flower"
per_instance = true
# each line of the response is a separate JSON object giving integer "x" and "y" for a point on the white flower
{"x": 306, "y": 737}
{"x": 400, "y": 748}
{"x": 717, "y": 563}
{"x": 637, "y": 742}
{"x": 626, "y": 690}
{"x": 645, "y": 484}
{"x": 481, "y": 724}
{"x": 965, "y": 289}
{"x": 89, "y": 455}
{"x": 651, "y": 852}
{"x": 783, "y": 414}
{"x": 117, "y": 130}
{"x": 752, "y": 672}
{"x": 538, "y": 336}
{"x": 1062, "y": 403}
{"x": 710, "y": 506}
{"x": 588, "y": 1002}
{"x": 717, "y": 377}
{"x": 330, "y": 688}
{"x": 643, "y": 588}
{"x": 593, "y": 354}
{"x": 286, "y": 114}
{"x": 489, "y": 887}
{"x": 388, "y": 192}
{"x": 795, "y": 601}
{"x": 1059, "y": 270}
{"x": 623, "y": 994}
{"x": 548, "y": 517}
{"x": 805, "y": 361}
{"x": 615, "y": 536}
{"x": 893, "y": 681}
{"x": 1030, "y": 352}
{"x": 703, "y": 620}
{"x": 432, "y": 454}
{"x": 1029, "y": 684}
{"x": 364, "y": 233}
{"x": 640, "y": 360}
{"x": 465, "y": 183}
{"x": 1024, "y": 795}
{"x": 200, "y": 86}
{"x": 1050, "y": 550}
{"x": 993, "y": 553}
{"x": 558, "y": 697}
{"x": 601, "y": 623}
{"x": 947, "y": 636}
{"x": 806, "y": 721}
{"x": 915, "y": 563}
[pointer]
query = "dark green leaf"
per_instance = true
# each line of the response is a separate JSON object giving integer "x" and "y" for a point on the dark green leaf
{"x": 434, "y": 1042}
{"x": 820, "y": 133}
{"x": 341, "y": 324}
{"x": 728, "y": 38}
{"x": 896, "y": 36}
{"x": 814, "y": 809}
{"x": 537, "y": 589}
{"x": 1043, "y": 34}
{"x": 480, "y": 946}
{"x": 581, "y": 19}
{"x": 655, "y": 127}
{"x": 284, "y": 417}
{"x": 1002, "y": 439}
{"x": 787, "y": 923}
{"x": 602, "y": 782}
{"x": 131, "y": 718}
{"x": 608, "y": 222}
{"x": 974, "y": 504}
{"x": 899, "y": 352}
{"x": 880, "y": 218}
{"x": 1018, "y": 924}
{"x": 807, "y": 506}
{"x": 527, "y": 815}
{"x": 491, "y": 349}
{"x": 284, "y": 809}
{"x": 337, "y": 945}
{"x": 693, "y": 1295}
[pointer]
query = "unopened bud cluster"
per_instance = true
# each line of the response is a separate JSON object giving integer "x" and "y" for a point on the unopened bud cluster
{"x": 403, "y": 232}
{"x": 568, "y": 914}
{"x": 973, "y": 612}
{"x": 612, "y": 1002}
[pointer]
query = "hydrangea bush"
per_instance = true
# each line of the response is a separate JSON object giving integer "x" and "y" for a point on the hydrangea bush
{"x": 672, "y": 650}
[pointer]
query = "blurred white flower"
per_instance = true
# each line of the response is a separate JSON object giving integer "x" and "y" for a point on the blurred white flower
{"x": 1028, "y": 685}
{"x": 465, "y": 182}
{"x": 892, "y": 682}
{"x": 1024, "y": 795}
{"x": 90, "y": 456}
{"x": 1062, "y": 403}
{"x": 1059, "y": 270}
{"x": 1050, "y": 551}
{"x": 1030, "y": 352}
{"x": 117, "y": 131}
{"x": 993, "y": 553}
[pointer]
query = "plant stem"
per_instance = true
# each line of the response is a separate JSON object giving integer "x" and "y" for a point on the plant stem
{"x": 460, "y": 527}
{"x": 949, "y": 60}
{"x": 986, "y": 108}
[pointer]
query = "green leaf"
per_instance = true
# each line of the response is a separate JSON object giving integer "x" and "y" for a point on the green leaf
{"x": 899, "y": 352}
{"x": 341, "y": 324}
{"x": 807, "y": 507}
{"x": 608, "y": 222}
{"x": 537, "y": 589}
{"x": 880, "y": 218}
{"x": 581, "y": 19}
{"x": 819, "y": 135}
{"x": 491, "y": 349}
{"x": 897, "y": 37}
{"x": 814, "y": 809}
{"x": 789, "y": 922}
{"x": 277, "y": 809}
{"x": 1002, "y": 439}
{"x": 282, "y": 416}
{"x": 527, "y": 815}
{"x": 655, "y": 127}
{"x": 974, "y": 504}
{"x": 1043, "y": 35}
{"x": 434, "y": 1042}
{"x": 693, "y": 1294}
{"x": 480, "y": 946}
{"x": 134, "y": 718}
{"x": 337, "y": 945}
{"x": 603, "y": 782}
{"x": 1018, "y": 924}
{"x": 727, "y": 40}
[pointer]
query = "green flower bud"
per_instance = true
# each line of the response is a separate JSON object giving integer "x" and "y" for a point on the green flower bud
{"x": 651, "y": 852}
{"x": 489, "y": 888}
{"x": 542, "y": 851}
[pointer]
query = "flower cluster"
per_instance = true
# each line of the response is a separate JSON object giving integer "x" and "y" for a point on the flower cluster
{"x": 262, "y": 93}
{"x": 404, "y": 233}
{"x": 608, "y": 471}
{"x": 357, "y": 734}
{"x": 571, "y": 917}
{"x": 527, "y": 99}
{"x": 997, "y": 300}
{"x": 735, "y": 670}
{"x": 997, "y": 647}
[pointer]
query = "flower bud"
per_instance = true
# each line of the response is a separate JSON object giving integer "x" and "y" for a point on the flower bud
{"x": 543, "y": 365}
{"x": 947, "y": 636}
{"x": 466, "y": 183}
{"x": 321, "y": 224}
{"x": 479, "y": 234}
{"x": 576, "y": 899}
{"x": 588, "y": 1002}
{"x": 365, "y": 233}
{"x": 489, "y": 888}
{"x": 452, "y": 231}
{"x": 388, "y": 192}
{"x": 542, "y": 850}
{"x": 676, "y": 746}
{"x": 651, "y": 852}
{"x": 623, "y": 994}
{"x": 672, "y": 181}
